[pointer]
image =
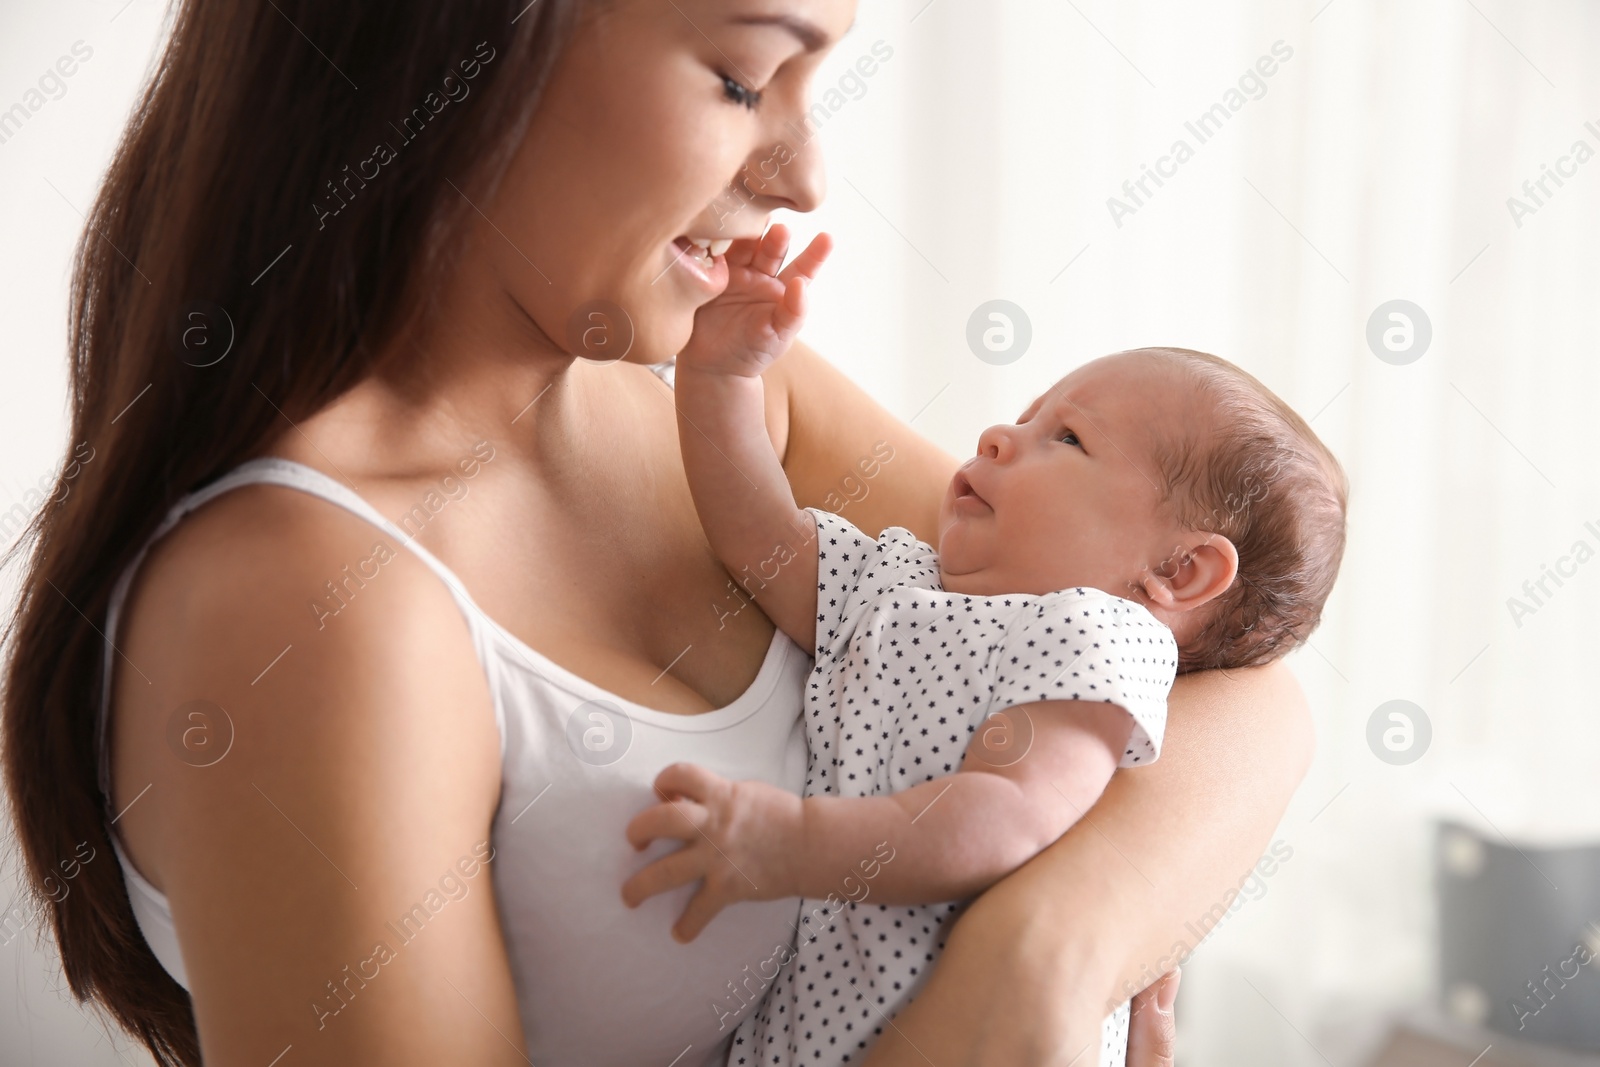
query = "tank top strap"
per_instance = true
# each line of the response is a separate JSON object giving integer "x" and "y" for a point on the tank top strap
{"x": 290, "y": 475}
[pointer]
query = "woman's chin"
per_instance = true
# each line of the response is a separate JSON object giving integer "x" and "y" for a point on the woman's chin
{"x": 659, "y": 345}
{"x": 669, "y": 338}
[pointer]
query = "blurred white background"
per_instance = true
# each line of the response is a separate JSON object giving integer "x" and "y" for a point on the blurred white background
{"x": 976, "y": 163}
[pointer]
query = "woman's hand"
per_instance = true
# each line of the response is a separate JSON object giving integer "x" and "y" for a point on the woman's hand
{"x": 737, "y": 840}
{"x": 759, "y": 314}
{"x": 1152, "y": 1029}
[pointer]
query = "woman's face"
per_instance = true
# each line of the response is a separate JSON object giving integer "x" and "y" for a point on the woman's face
{"x": 666, "y": 122}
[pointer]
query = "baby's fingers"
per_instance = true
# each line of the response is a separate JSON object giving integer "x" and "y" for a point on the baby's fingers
{"x": 791, "y": 310}
{"x": 679, "y": 820}
{"x": 668, "y": 872}
{"x": 697, "y": 916}
{"x": 742, "y": 252}
{"x": 770, "y": 248}
{"x": 808, "y": 263}
{"x": 686, "y": 780}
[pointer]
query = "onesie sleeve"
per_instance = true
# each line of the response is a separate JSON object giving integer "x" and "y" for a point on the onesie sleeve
{"x": 853, "y": 570}
{"x": 1083, "y": 644}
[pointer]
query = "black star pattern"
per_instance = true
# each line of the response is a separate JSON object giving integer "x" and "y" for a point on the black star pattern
{"x": 877, "y": 601}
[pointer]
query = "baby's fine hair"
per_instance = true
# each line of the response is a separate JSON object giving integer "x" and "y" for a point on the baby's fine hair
{"x": 1258, "y": 476}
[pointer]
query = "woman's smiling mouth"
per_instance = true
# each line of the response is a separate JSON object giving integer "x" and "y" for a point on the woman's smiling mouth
{"x": 702, "y": 259}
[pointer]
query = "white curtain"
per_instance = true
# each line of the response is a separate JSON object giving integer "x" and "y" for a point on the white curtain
{"x": 1373, "y": 164}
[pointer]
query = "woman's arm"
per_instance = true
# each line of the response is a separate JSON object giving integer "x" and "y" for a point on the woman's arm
{"x": 325, "y": 869}
{"x": 1037, "y": 961}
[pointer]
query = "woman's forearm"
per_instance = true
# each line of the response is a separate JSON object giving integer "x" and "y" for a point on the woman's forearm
{"x": 1037, "y": 960}
{"x": 1237, "y": 746}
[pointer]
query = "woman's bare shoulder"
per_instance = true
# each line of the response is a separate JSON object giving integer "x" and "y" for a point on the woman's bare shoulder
{"x": 264, "y": 562}
{"x": 304, "y": 742}
{"x": 269, "y": 621}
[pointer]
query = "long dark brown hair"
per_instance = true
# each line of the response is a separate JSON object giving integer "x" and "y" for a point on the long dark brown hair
{"x": 251, "y": 252}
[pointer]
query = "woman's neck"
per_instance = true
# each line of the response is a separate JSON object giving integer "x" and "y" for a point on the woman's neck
{"x": 477, "y": 368}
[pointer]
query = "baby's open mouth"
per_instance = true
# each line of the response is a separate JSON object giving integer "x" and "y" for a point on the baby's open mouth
{"x": 964, "y": 490}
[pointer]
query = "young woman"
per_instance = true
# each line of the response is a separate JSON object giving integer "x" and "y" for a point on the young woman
{"x": 332, "y": 733}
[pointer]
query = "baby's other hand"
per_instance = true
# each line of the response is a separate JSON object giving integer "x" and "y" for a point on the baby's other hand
{"x": 759, "y": 314}
{"x": 739, "y": 839}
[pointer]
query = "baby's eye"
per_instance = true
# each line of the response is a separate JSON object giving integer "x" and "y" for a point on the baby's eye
{"x": 739, "y": 94}
{"x": 1069, "y": 438}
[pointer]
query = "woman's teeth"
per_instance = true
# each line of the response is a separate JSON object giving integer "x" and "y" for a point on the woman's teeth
{"x": 709, "y": 249}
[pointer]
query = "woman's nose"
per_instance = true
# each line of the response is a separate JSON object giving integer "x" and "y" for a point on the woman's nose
{"x": 997, "y": 443}
{"x": 790, "y": 175}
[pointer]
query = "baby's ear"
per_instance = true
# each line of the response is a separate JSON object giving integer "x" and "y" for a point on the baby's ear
{"x": 1199, "y": 569}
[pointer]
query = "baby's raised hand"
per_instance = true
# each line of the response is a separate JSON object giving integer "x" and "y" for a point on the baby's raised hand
{"x": 739, "y": 840}
{"x": 758, "y": 315}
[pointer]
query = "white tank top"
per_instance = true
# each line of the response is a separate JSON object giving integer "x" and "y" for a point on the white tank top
{"x": 597, "y": 984}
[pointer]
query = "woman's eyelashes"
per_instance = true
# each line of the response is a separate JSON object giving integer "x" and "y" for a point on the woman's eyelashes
{"x": 740, "y": 94}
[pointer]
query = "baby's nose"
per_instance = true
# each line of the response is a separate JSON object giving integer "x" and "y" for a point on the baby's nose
{"x": 995, "y": 442}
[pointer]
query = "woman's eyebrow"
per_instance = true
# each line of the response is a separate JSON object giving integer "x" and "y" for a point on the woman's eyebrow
{"x": 811, "y": 37}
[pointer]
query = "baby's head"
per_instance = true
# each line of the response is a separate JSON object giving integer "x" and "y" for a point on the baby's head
{"x": 1168, "y": 477}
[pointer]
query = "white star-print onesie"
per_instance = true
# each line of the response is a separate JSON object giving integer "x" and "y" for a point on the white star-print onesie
{"x": 905, "y": 673}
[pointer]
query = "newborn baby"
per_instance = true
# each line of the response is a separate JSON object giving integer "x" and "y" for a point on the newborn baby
{"x": 1154, "y": 512}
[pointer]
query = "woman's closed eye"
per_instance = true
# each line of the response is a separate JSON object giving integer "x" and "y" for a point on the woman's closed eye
{"x": 738, "y": 93}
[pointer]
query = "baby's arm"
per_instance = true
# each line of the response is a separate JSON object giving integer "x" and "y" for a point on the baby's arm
{"x": 951, "y": 837}
{"x": 955, "y": 836}
{"x": 740, "y": 490}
